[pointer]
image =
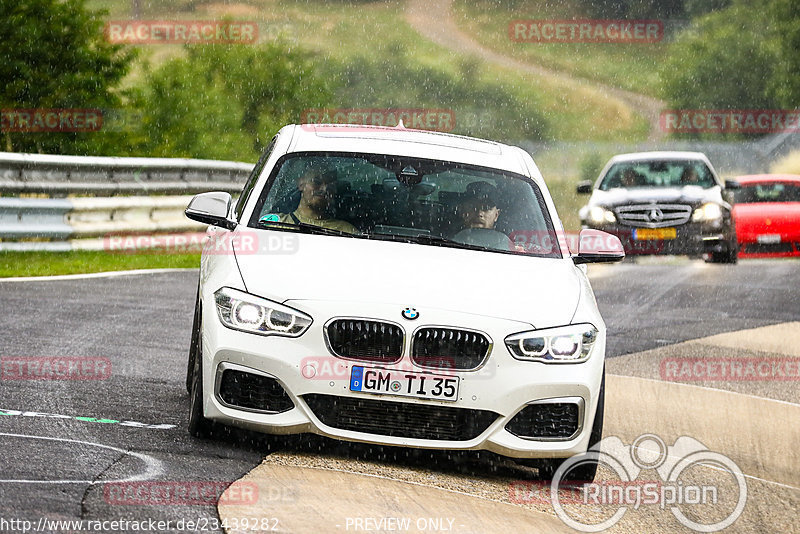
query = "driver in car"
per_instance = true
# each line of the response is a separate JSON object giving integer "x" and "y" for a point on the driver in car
{"x": 631, "y": 178}
{"x": 479, "y": 213}
{"x": 317, "y": 192}
{"x": 690, "y": 176}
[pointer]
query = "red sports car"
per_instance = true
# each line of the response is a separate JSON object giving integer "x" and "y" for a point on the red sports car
{"x": 767, "y": 215}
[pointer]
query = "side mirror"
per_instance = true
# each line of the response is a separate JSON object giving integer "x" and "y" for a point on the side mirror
{"x": 732, "y": 185}
{"x": 211, "y": 208}
{"x": 584, "y": 187}
{"x": 595, "y": 246}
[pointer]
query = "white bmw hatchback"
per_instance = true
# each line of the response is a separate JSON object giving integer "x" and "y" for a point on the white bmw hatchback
{"x": 403, "y": 288}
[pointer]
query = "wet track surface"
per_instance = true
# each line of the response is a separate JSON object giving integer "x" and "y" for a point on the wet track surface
{"x": 134, "y": 422}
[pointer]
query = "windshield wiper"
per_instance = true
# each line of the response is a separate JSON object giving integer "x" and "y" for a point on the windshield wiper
{"x": 304, "y": 227}
{"x": 425, "y": 239}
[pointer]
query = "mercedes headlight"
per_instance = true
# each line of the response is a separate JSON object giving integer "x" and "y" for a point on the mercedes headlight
{"x": 707, "y": 212}
{"x": 600, "y": 215}
{"x": 564, "y": 344}
{"x": 249, "y": 313}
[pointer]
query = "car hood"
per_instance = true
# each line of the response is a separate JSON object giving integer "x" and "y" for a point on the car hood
{"x": 541, "y": 291}
{"x": 672, "y": 195}
{"x": 767, "y": 218}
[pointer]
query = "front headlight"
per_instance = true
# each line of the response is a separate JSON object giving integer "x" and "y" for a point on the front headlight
{"x": 249, "y": 313}
{"x": 600, "y": 215}
{"x": 707, "y": 212}
{"x": 564, "y": 344}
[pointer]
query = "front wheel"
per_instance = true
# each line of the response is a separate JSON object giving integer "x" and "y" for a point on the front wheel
{"x": 199, "y": 426}
{"x": 729, "y": 255}
{"x": 587, "y": 469}
{"x": 194, "y": 345}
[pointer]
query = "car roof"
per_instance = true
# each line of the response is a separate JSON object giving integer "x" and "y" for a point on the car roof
{"x": 757, "y": 178}
{"x": 659, "y": 155}
{"x": 407, "y": 142}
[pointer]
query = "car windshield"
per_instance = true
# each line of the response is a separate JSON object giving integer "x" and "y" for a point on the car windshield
{"x": 659, "y": 173}
{"x": 414, "y": 200}
{"x": 768, "y": 192}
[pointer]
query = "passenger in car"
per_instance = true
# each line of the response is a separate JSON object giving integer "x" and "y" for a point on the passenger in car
{"x": 317, "y": 192}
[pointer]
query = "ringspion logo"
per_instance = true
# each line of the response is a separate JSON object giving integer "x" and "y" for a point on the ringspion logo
{"x": 586, "y": 31}
{"x": 690, "y": 477}
{"x": 180, "y": 32}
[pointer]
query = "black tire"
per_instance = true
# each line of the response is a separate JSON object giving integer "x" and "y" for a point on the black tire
{"x": 194, "y": 345}
{"x": 586, "y": 470}
{"x": 730, "y": 255}
{"x": 199, "y": 426}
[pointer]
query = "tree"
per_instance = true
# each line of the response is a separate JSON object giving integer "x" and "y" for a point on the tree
{"x": 226, "y": 101}
{"x": 785, "y": 86}
{"x": 632, "y": 9}
{"x": 54, "y": 55}
{"x": 725, "y": 60}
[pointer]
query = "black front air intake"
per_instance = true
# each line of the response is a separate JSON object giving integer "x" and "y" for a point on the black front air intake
{"x": 400, "y": 419}
{"x": 556, "y": 420}
{"x": 250, "y": 391}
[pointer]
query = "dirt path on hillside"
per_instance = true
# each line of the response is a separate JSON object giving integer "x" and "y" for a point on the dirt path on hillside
{"x": 434, "y": 20}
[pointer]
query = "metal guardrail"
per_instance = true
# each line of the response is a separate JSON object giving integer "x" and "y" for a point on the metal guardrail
{"x": 34, "y": 217}
{"x": 63, "y": 175}
{"x": 58, "y": 220}
{"x": 131, "y": 195}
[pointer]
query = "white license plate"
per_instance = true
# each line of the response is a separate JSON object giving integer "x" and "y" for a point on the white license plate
{"x": 404, "y": 383}
{"x": 768, "y": 239}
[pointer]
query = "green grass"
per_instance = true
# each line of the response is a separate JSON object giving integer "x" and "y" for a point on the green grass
{"x": 567, "y": 202}
{"x": 627, "y": 66}
{"x": 53, "y": 263}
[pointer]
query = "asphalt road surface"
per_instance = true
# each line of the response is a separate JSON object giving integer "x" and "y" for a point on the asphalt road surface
{"x": 62, "y": 442}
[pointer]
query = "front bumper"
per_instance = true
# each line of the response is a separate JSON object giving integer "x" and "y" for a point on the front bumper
{"x": 306, "y": 370}
{"x": 786, "y": 248}
{"x": 692, "y": 239}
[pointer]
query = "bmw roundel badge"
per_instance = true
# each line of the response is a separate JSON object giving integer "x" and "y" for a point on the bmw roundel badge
{"x": 410, "y": 314}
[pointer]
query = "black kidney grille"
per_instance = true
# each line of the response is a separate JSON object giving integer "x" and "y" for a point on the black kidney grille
{"x": 557, "y": 420}
{"x": 253, "y": 392}
{"x": 400, "y": 419}
{"x": 449, "y": 348}
{"x": 360, "y": 339}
